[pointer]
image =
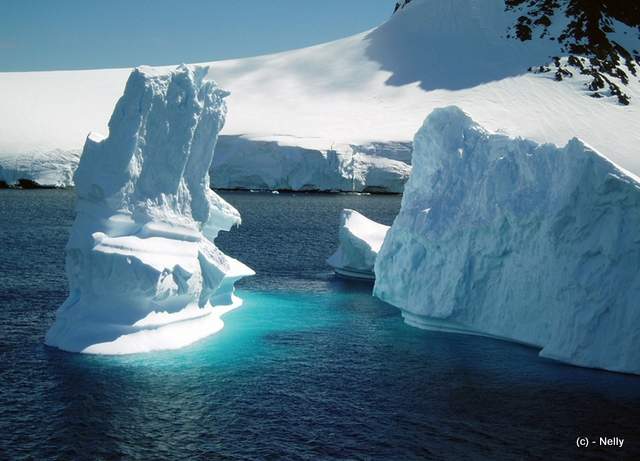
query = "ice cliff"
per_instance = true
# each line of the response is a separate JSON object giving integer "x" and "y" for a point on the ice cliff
{"x": 360, "y": 240}
{"x": 144, "y": 273}
{"x": 527, "y": 242}
{"x": 242, "y": 163}
{"x": 47, "y": 169}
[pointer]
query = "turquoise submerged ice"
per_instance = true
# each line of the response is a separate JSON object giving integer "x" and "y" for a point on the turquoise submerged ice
{"x": 528, "y": 242}
{"x": 144, "y": 273}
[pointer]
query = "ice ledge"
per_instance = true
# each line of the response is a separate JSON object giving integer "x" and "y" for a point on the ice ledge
{"x": 168, "y": 332}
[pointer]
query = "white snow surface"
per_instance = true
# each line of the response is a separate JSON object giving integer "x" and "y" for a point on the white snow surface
{"x": 143, "y": 271}
{"x": 360, "y": 240}
{"x": 513, "y": 239}
{"x": 369, "y": 89}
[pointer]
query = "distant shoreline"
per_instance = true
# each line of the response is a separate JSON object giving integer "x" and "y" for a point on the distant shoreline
{"x": 28, "y": 184}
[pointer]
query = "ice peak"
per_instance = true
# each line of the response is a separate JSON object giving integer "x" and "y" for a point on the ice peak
{"x": 155, "y": 161}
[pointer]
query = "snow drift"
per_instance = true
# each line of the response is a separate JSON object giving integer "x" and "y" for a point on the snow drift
{"x": 510, "y": 238}
{"x": 360, "y": 240}
{"x": 143, "y": 271}
{"x": 373, "y": 88}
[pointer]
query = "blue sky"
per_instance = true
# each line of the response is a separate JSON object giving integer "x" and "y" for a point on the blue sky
{"x": 87, "y": 34}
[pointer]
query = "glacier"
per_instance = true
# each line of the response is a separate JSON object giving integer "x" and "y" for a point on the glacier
{"x": 143, "y": 271}
{"x": 517, "y": 240}
{"x": 247, "y": 164}
{"x": 373, "y": 88}
{"x": 243, "y": 163}
{"x": 360, "y": 239}
{"x": 53, "y": 168}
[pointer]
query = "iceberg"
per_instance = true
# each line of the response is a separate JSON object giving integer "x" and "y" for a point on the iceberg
{"x": 508, "y": 238}
{"x": 360, "y": 241}
{"x": 143, "y": 271}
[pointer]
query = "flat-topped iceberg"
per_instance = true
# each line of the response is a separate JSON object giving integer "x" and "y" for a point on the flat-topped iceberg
{"x": 144, "y": 273}
{"x": 527, "y": 242}
{"x": 360, "y": 240}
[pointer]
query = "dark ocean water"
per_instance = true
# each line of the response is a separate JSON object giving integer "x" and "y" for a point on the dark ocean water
{"x": 311, "y": 367}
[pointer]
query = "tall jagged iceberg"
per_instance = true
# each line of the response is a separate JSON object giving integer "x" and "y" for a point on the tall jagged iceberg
{"x": 527, "y": 242}
{"x": 144, "y": 273}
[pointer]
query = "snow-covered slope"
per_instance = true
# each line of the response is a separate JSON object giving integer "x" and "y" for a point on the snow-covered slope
{"x": 513, "y": 239}
{"x": 371, "y": 89}
{"x": 599, "y": 38}
{"x": 143, "y": 271}
{"x": 360, "y": 240}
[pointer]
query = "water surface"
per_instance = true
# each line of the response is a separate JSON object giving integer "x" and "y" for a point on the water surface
{"x": 311, "y": 367}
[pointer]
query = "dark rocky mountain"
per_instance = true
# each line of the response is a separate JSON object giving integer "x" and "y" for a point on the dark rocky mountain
{"x": 589, "y": 39}
{"x": 401, "y": 4}
{"x": 597, "y": 38}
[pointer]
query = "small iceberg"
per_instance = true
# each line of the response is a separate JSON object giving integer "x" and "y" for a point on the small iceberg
{"x": 360, "y": 241}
